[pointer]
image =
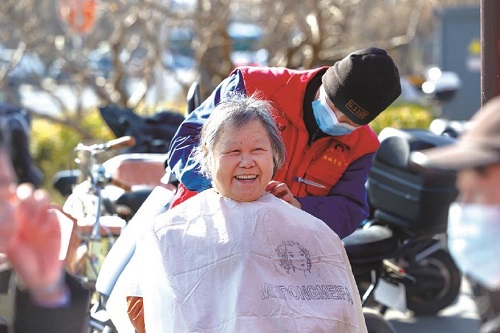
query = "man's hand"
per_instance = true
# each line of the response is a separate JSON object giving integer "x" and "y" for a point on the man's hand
{"x": 281, "y": 190}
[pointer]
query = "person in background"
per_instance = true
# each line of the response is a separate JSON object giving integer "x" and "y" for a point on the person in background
{"x": 323, "y": 116}
{"x": 235, "y": 258}
{"x": 474, "y": 220}
{"x": 35, "y": 292}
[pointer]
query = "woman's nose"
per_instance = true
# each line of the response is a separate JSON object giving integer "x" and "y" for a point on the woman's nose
{"x": 246, "y": 161}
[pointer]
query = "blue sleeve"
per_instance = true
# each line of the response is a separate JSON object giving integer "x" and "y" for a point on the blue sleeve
{"x": 346, "y": 205}
{"x": 187, "y": 136}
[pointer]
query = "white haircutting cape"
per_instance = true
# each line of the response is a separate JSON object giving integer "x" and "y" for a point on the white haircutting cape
{"x": 213, "y": 264}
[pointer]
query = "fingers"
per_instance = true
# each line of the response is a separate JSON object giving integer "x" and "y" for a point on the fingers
{"x": 34, "y": 249}
{"x": 281, "y": 190}
{"x": 272, "y": 184}
{"x": 277, "y": 189}
{"x": 33, "y": 204}
{"x": 28, "y": 195}
{"x": 8, "y": 226}
{"x": 34, "y": 221}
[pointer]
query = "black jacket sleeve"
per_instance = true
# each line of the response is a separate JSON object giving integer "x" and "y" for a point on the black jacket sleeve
{"x": 73, "y": 318}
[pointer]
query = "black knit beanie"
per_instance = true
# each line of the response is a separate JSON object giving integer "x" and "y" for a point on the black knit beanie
{"x": 363, "y": 84}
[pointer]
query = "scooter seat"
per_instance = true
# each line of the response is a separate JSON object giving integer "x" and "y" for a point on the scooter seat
{"x": 370, "y": 243}
{"x": 134, "y": 200}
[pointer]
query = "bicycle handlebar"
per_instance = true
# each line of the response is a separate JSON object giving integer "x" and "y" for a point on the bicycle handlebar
{"x": 122, "y": 142}
{"x": 121, "y": 184}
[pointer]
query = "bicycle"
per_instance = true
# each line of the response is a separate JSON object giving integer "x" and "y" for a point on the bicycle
{"x": 97, "y": 225}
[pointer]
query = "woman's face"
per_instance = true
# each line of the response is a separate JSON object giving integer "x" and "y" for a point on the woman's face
{"x": 243, "y": 162}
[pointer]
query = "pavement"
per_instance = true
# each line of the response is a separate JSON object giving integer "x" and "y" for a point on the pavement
{"x": 460, "y": 317}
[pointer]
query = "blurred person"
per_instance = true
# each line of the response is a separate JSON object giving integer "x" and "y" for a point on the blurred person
{"x": 16, "y": 121}
{"x": 37, "y": 294}
{"x": 474, "y": 219}
{"x": 323, "y": 116}
{"x": 235, "y": 258}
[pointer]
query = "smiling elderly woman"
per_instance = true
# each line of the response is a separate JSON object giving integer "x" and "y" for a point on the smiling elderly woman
{"x": 236, "y": 258}
{"x": 240, "y": 149}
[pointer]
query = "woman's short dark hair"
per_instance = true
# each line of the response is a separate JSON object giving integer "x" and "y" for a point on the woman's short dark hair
{"x": 235, "y": 111}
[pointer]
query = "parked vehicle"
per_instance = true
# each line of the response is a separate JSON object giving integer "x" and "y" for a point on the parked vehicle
{"x": 399, "y": 257}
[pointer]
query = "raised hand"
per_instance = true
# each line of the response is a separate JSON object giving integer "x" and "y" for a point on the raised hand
{"x": 34, "y": 243}
{"x": 281, "y": 190}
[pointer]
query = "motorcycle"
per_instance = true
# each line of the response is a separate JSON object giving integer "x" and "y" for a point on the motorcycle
{"x": 103, "y": 199}
{"x": 399, "y": 257}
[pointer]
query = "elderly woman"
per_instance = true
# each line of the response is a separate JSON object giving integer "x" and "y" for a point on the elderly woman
{"x": 236, "y": 258}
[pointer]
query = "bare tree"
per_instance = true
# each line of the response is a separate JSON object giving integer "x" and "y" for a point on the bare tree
{"x": 123, "y": 56}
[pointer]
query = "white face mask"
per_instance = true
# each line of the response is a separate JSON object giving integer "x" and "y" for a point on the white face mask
{"x": 474, "y": 241}
{"x": 326, "y": 118}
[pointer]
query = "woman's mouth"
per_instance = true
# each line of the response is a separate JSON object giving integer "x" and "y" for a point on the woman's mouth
{"x": 246, "y": 177}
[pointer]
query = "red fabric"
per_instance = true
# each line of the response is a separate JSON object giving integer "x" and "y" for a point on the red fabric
{"x": 181, "y": 195}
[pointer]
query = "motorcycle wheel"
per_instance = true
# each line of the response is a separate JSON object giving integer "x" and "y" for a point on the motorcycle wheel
{"x": 376, "y": 323}
{"x": 437, "y": 284}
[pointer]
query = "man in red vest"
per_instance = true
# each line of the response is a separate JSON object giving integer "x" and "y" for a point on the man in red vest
{"x": 323, "y": 116}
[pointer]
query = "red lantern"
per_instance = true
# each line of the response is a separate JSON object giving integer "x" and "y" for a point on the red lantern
{"x": 78, "y": 15}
